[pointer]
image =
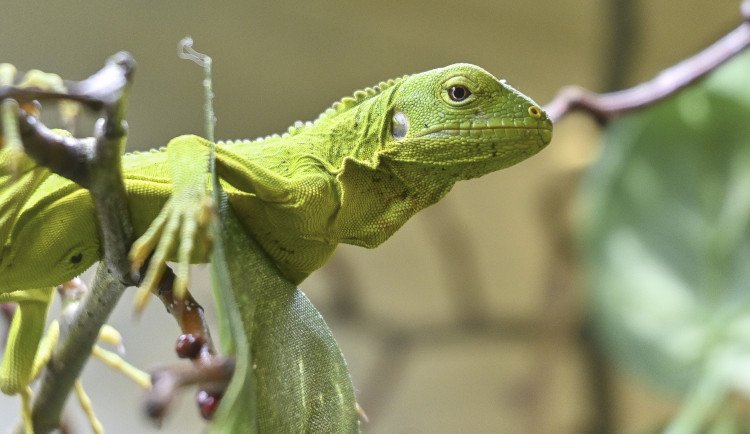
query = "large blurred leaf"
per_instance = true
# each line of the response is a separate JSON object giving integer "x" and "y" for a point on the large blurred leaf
{"x": 666, "y": 237}
{"x": 290, "y": 375}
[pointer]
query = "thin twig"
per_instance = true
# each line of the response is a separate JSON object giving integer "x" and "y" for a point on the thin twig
{"x": 70, "y": 355}
{"x": 108, "y": 190}
{"x": 608, "y": 105}
{"x": 167, "y": 381}
{"x": 195, "y": 344}
{"x": 103, "y": 88}
{"x": 186, "y": 51}
{"x": 109, "y": 86}
{"x": 66, "y": 156}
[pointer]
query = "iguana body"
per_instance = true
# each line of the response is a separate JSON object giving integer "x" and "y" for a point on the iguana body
{"x": 355, "y": 176}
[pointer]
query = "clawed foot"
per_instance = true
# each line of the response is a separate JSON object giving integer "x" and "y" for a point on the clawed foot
{"x": 180, "y": 231}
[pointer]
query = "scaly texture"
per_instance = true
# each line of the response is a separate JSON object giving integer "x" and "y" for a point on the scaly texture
{"x": 355, "y": 175}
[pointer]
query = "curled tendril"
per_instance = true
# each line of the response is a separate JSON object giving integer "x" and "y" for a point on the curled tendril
{"x": 186, "y": 51}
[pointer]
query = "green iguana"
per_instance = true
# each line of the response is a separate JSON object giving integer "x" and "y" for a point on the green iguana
{"x": 355, "y": 175}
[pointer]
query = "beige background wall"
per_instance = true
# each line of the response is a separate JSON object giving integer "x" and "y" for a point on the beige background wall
{"x": 463, "y": 321}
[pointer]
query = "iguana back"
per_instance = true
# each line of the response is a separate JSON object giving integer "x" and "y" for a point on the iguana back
{"x": 355, "y": 175}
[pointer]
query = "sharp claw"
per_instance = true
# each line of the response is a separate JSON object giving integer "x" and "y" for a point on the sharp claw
{"x": 174, "y": 231}
{"x": 135, "y": 266}
{"x": 180, "y": 287}
{"x": 137, "y": 255}
{"x": 154, "y": 275}
{"x": 140, "y": 250}
{"x": 206, "y": 212}
{"x": 110, "y": 335}
{"x": 141, "y": 299}
{"x": 117, "y": 363}
{"x": 145, "y": 244}
{"x": 85, "y": 402}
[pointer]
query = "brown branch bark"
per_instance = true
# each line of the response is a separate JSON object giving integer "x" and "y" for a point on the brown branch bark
{"x": 210, "y": 371}
{"x": 214, "y": 375}
{"x": 609, "y": 105}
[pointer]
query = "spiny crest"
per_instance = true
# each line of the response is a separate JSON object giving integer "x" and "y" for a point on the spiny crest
{"x": 341, "y": 106}
{"x": 348, "y": 102}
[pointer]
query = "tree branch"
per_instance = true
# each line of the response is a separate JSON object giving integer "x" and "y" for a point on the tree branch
{"x": 195, "y": 344}
{"x": 95, "y": 164}
{"x": 608, "y": 105}
{"x": 213, "y": 375}
{"x": 102, "y": 89}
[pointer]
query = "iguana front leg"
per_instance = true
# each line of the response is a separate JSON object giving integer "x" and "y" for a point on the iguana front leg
{"x": 179, "y": 231}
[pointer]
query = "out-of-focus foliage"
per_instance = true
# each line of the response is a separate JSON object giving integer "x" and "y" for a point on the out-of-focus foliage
{"x": 666, "y": 240}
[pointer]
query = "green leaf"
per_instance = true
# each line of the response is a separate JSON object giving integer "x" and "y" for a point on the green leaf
{"x": 666, "y": 238}
{"x": 297, "y": 380}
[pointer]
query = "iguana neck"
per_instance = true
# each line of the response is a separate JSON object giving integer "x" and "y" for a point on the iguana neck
{"x": 356, "y": 132}
{"x": 353, "y": 127}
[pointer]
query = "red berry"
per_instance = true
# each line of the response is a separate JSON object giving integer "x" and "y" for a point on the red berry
{"x": 207, "y": 403}
{"x": 189, "y": 346}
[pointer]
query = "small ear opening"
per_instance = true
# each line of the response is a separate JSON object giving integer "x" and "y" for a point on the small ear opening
{"x": 399, "y": 125}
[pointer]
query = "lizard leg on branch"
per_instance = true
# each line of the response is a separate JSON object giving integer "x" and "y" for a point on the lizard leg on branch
{"x": 180, "y": 229}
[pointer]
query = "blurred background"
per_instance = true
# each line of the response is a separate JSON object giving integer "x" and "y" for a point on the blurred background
{"x": 471, "y": 317}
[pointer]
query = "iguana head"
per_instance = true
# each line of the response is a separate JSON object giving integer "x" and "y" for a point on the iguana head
{"x": 414, "y": 137}
{"x": 463, "y": 121}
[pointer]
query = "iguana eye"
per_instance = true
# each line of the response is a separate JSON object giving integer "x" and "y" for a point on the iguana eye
{"x": 458, "y": 93}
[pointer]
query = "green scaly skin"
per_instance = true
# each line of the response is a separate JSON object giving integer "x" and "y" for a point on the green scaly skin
{"x": 355, "y": 176}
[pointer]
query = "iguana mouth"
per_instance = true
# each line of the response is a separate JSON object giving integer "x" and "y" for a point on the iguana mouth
{"x": 546, "y": 134}
{"x": 483, "y": 130}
